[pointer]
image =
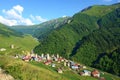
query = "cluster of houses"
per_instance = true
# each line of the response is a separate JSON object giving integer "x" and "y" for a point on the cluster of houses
{"x": 54, "y": 60}
{"x": 95, "y": 73}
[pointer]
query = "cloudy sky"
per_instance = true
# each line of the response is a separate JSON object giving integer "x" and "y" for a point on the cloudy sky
{"x": 29, "y": 12}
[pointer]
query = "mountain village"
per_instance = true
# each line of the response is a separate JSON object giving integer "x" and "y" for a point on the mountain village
{"x": 60, "y": 64}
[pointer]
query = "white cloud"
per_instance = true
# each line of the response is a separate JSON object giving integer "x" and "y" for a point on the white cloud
{"x": 38, "y": 18}
{"x": 64, "y": 16}
{"x": 32, "y": 17}
{"x": 18, "y": 8}
{"x": 107, "y": 0}
{"x": 11, "y": 14}
{"x": 14, "y": 17}
{"x": 27, "y": 21}
{"x": 8, "y": 22}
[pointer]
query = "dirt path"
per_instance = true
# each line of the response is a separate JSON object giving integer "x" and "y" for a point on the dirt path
{"x": 4, "y": 76}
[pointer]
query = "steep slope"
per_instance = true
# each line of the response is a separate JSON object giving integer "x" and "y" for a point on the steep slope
{"x": 106, "y": 45}
{"x": 45, "y": 28}
{"x": 88, "y": 37}
{"x": 104, "y": 40}
{"x": 64, "y": 39}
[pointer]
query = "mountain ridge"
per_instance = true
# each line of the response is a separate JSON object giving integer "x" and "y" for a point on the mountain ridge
{"x": 42, "y": 29}
{"x": 69, "y": 39}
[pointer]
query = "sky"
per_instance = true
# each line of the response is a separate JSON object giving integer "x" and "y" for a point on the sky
{"x": 30, "y": 12}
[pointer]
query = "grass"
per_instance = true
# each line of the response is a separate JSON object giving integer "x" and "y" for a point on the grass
{"x": 24, "y": 71}
{"x": 26, "y": 43}
{"x": 110, "y": 76}
{"x": 70, "y": 75}
{"x": 21, "y": 70}
{"x": 100, "y": 11}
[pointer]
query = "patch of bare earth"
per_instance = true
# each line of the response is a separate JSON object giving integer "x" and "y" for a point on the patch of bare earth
{"x": 4, "y": 76}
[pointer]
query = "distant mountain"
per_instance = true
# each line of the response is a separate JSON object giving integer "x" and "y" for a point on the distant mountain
{"x": 45, "y": 28}
{"x": 90, "y": 36}
{"x": 24, "y": 29}
{"x": 41, "y": 30}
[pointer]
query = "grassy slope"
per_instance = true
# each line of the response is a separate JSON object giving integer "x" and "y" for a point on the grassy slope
{"x": 71, "y": 75}
{"x": 5, "y": 31}
{"x": 21, "y": 42}
{"x": 100, "y": 11}
{"x": 26, "y": 42}
{"x": 35, "y": 71}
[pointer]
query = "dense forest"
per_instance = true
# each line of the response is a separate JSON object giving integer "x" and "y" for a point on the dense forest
{"x": 91, "y": 39}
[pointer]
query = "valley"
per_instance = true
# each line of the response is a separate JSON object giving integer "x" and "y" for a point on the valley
{"x": 85, "y": 46}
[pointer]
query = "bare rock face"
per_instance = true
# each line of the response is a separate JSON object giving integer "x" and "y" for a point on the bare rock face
{"x": 4, "y": 76}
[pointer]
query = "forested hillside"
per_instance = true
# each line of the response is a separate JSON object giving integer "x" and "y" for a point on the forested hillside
{"x": 88, "y": 38}
{"x": 63, "y": 40}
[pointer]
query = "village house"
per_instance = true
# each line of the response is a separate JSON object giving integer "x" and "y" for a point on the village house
{"x": 39, "y": 58}
{"x": 95, "y": 73}
{"x": 48, "y": 57}
{"x": 65, "y": 63}
{"x": 57, "y": 56}
{"x": 60, "y": 59}
{"x": 75, "y": 66}
{"x": 26, "y": 58}
{"x": 48, "y": 62}
{"x": 42, "y": 55}
{"x": 85, "y": 73}
{"x": 34, "y": 57}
